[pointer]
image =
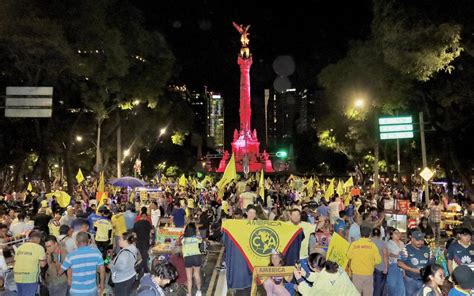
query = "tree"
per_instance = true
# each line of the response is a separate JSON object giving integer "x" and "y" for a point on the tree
{"x": 400, "y": 67}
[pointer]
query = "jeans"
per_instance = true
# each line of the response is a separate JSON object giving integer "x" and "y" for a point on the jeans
{"x": 379, "y": 282}
{"x": 28, "y": 289}
{"x": 124, "y": 288}
{"x": 412, "y": 286}
{"x": 395, "y": 285}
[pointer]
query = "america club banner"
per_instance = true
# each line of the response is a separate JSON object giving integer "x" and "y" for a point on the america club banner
{"x": 257, "y": 239}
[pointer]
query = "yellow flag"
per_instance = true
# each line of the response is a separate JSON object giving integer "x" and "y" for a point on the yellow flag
{"x": 348, "y": 184}
{"x": 337, "y": 250}
{"x": 309, "y": 187}
{"x": 194, "y": 183}
{"x": 101, "y": 186}
{"x": 30, "y": 187}
{"x": 329, "y": 190}
{"x": 339, "y": 190}
{"x": 101, "y": 197}
{"x": 79, "y": 176}
{"x": 261, "y": 186}
{"x": 229, "y": 174}
{"x": 182, "y": 181}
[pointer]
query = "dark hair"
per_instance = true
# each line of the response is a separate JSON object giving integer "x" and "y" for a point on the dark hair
{"x": 465, "y": 231}
{"x": 282, "y": 261}
{"x": 251, "y": 207}
{"x": 429, "y": 270}
{"x": 3, "y": 226}
{"x": 391, "y": 231}
{"x": 166, "y": 271}
{"x": 365, "y": 230}
{"x": 51, "y": 238}
{"x": 130, "y": 237}
{"x": 21, "y": 216}
{"x": 342, "y": 213}
{"x": 238, "y": 212}
{"x": 331, "y": 266}
{"x": 317, "y": 260}
{"x": 143, "y": 210}
{"x": 376, "y": 232}
{"x": 295, "y": 210}
{"x": 64, "y": 229}
{"x": 190, "y": 230}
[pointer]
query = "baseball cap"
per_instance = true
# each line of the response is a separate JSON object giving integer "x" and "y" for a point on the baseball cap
{"x": 464, "y": 276}
{"x": 418, "y": 235}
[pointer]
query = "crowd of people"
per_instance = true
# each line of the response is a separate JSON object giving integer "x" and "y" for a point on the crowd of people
{"x": 103, "y": 247}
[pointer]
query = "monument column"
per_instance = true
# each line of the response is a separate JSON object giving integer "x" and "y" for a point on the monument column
{"x": 245, "y": 109}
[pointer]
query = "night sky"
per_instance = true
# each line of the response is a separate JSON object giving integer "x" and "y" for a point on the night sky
{"x": 205, "y": 44}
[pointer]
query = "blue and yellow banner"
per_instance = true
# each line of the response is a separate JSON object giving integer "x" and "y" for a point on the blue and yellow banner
{"x": 257, "y": 239}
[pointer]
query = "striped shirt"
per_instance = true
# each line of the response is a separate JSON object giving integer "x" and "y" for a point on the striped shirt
{"x": 83, "y": 262}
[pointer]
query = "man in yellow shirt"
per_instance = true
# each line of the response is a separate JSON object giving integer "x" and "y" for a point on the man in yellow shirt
{"x": 29, "y": 257}
{"x": 363, "y": 256}
{"x": 103, "y": 231}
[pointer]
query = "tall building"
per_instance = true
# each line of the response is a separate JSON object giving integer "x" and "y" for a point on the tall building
{"x": 288, "y": 113}
{"x": 215, "y": 121}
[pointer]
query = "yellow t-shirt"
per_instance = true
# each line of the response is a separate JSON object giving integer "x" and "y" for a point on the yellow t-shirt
{"x": 118, "y": 224}
{"x": 53, "y": 229}
{"x": 247, "y": 199}
{"x": 27, "y": 257}
{"x": 103, "y": 227}
{"x": 191, "y": 203}
{"x": 191, "y": 246}
{"x": 308, "y": 228}
{"x": 363, "y": 255}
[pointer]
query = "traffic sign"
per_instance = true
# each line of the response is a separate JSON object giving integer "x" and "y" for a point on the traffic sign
{"x": 396, "y": 127}
{"x": 427, "y": 174}
{"x": 29, "y": 102}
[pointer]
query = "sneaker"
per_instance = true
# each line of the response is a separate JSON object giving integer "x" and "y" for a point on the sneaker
{"x": 222, "y": 267}
{"x": 198, "y": 293}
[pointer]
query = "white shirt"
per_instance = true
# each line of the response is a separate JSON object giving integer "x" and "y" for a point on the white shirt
{"x": 155, "y": 216}
{"x": 19, "y": 228}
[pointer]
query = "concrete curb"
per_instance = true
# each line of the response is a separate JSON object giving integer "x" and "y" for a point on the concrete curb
{"x": 215, "y": 274}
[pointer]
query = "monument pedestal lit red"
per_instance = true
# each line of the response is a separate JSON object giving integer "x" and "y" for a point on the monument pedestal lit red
{"x": 245, "y": 145}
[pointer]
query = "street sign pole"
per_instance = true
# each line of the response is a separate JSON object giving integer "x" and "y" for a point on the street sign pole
{"x": 423, "y": 155}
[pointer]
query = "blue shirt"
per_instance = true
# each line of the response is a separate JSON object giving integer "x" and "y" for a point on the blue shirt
{"x": 340, "y": 225}
{"x": 130, "y": 219}
{"x": 83, "y": 262}
{"x": 323, "y": 211}
{"x": 455, "y": 292}
{"x": 92, "y": 218}
{"x": 461, "y": 255}
{"x": 354, "y": 231}
{"x": 178, "y": 217}
{"x": 415, "y": 258}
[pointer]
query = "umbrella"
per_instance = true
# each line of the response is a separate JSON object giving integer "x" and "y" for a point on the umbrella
{"x": 63, "y": 198}
{"x": 127, "y": 182}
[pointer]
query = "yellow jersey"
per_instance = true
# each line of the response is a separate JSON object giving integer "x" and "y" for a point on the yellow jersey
{"x": 27, "y": 258}
{"x": 118, "y": 224}
{"x": 103, "y": 227}
{"x": 363, "y": 255}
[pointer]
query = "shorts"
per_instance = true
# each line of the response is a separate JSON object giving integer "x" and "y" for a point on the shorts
{"x": 193, "y": 261}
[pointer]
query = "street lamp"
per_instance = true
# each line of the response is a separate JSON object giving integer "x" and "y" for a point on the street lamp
{"x": 359, "y": 103}
{"x": 162, "y": 131}
{"x": 78, "y": 138}
{"x": 126, "y": 152}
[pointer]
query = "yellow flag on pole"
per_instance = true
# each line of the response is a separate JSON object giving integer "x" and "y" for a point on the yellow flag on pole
{"x": 30, "y": 187}
{"x": 261, "y": 186}
{"x": 182, "y": 181}
{"x": 329, "y": 190}
{"x": 101, "y": 186}
{"x": 339, "y": 190}
{"x": 230, "y": 174}
{"x": 348, "y": 184}
{"x": 79, "y": 176}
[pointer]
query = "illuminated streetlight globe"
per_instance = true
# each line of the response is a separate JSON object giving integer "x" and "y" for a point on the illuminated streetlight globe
{"x": 359, "y": 103}
{"x": 126, "y": 152}
{"x": 162, "y": 131}
{"x": 79, "y": 138}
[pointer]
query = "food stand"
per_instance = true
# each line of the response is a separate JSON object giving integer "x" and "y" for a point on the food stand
{"x": 451, "y": 218}
{"x": 168, "y": 248}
